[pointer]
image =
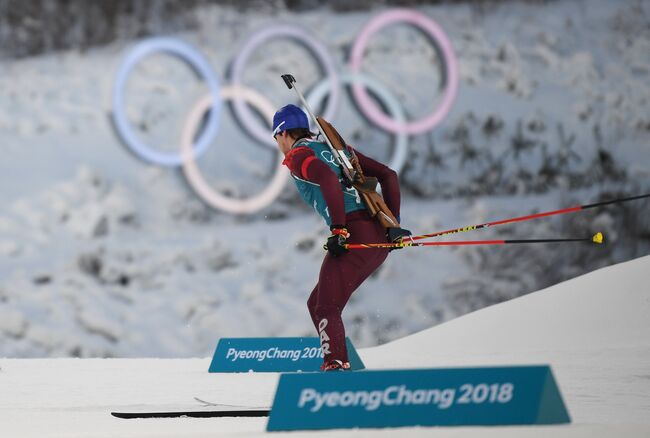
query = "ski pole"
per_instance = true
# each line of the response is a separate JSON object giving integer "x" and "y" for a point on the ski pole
{"x": 529, "y": 217}
{"x": 596, "y": 238}
{"x": 341, "y": 158}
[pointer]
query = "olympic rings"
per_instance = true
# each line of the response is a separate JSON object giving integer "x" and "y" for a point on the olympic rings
{"x": 394, "y": 123}
{"x": 201, "y": 66}
{"x": 316, "y": 48}
{"x": 449, "y": 60}
{"x": 193, "y": 174}
{"x": 401, "y": 147}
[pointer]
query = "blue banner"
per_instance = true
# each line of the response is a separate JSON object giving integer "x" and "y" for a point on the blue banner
{"x": 240, "y": 355}
{"x": 418, "y": 397}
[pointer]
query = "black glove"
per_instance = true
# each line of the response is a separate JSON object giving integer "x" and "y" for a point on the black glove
{"x": 336, "y": 242}
{"x": 395, "y": 235}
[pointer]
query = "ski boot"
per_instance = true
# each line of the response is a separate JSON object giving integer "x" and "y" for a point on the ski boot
{"x": 335, "y": 365}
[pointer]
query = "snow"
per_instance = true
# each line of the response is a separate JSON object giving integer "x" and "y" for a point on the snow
{"x": 102, "y": 251}
{"x": 592, "y": 330}
{"x": 105, "y": 256}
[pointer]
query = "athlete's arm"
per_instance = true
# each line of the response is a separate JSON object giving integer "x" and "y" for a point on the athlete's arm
{"x": 304, "y": 164}
{"x": 387, "y": 178}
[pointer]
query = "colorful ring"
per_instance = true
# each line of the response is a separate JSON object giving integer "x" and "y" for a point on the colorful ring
{"x": 392, "y": 104}
{"x": 243, "y": 113}
{"x": 200, "y": 65}
{"x": 193, "y": 174}
{"x": 448, "y": 60}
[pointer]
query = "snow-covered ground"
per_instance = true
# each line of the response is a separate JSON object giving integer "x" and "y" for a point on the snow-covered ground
{"x": 103, "y": 255}
{"x": 592, "y": 330}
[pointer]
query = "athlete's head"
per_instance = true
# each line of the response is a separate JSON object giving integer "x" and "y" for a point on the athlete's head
{"x": 290, "y": 124}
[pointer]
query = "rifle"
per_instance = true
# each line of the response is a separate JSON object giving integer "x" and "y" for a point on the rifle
{"x": 352, "y": 172}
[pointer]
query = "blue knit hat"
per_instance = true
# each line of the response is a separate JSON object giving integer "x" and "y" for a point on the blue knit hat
{"x": 289, "y": 117}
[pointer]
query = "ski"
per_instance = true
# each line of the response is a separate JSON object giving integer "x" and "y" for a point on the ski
{"x": 194, "y": 414}
{"x": 206, "y": 403}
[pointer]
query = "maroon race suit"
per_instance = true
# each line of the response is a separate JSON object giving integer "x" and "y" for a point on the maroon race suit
{"x": 340, "y": 276}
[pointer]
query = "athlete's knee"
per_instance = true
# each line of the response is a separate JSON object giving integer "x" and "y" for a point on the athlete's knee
{"x": 311, "y": 301}
{"x": 311, "y": 307}
{"x": 327, "y": 311}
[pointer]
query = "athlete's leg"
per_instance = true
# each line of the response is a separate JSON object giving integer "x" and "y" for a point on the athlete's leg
{"x": 326, "y": 304}
{"x": 339, "y": 278}
{"x": 311, "y": 305}
{"x": 367, "y": 260}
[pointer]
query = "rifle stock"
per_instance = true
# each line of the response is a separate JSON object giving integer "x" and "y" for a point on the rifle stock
{"x": 366, "y": 186}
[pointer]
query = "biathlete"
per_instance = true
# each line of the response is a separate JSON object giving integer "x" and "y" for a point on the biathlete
{"x": 320, "y": 182}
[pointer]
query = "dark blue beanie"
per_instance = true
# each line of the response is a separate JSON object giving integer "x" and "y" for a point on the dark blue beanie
{"x": 289, "y": 117}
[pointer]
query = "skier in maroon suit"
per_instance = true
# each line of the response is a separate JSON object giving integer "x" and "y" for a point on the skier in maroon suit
{"x": 320, "y": 183}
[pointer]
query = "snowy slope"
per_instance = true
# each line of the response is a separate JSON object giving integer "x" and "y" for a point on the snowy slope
{"x": 101, "y": 253}
{"x": 592, "y": 330}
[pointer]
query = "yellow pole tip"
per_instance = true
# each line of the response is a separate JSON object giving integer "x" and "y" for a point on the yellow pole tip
{"x": 598, "y": 238}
